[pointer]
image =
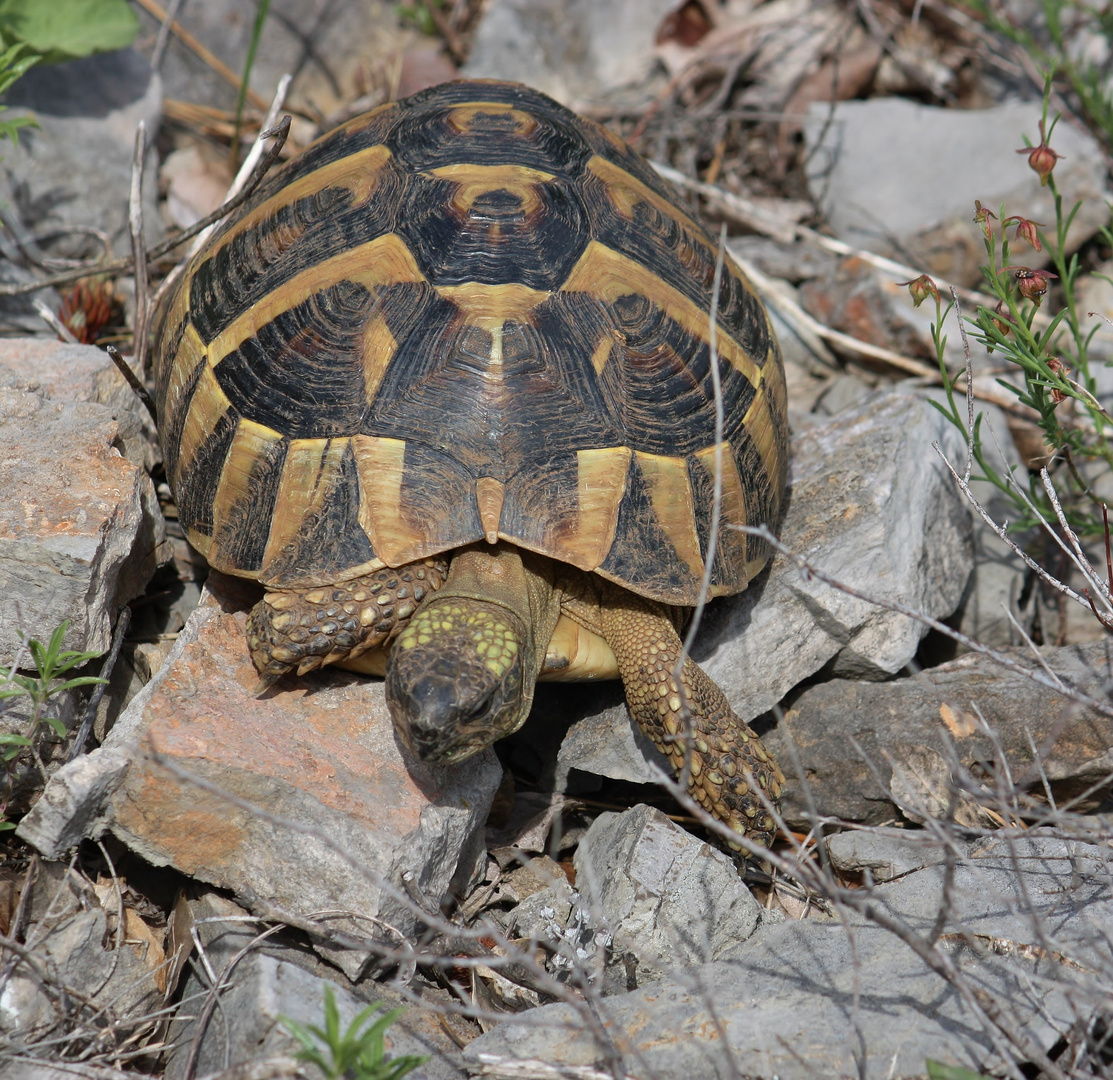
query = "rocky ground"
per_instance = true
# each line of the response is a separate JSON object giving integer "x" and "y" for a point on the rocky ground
{"x": 193, "y": 863}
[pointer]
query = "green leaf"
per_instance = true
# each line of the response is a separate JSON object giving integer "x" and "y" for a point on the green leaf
{"x": 83, "y": 680}
{"x": 64, "y": 29}
{"x": 9, "y": 739}
{"x": 938, "y": 1071}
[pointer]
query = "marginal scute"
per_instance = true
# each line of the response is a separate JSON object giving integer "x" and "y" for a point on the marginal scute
{"x": 471, "y": 316}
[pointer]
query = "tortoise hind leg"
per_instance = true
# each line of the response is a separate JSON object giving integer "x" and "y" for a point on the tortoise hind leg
{"x": 302, "y": 629}
{"x": 727, "y": 762}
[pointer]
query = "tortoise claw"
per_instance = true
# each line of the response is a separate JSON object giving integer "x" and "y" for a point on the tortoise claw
{"x": 266, "y": 681}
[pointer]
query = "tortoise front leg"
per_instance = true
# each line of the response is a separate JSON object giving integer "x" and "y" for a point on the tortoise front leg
{"x": 727, "y": 763}
{"x": 302, "y": 629}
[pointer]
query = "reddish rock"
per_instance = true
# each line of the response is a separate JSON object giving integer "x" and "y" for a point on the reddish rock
{"x": 300, "y": 799}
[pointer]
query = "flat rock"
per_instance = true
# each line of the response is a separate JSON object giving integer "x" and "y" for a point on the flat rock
{"x": 80, "y": 527}
{"x": 643, "y": 877}
{"x": 937, "y": 162}
{"x": 884, "y": 855}
{"x": 299, "y": 799}
{"x": 855, "y": 739}
{"x": 870, "y": 504}
{"x": 570, "y": 49}
{"x": 849, "y": 999}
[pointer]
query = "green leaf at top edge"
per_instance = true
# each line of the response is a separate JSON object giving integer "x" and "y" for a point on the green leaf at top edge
{"x": 66, "y": 29}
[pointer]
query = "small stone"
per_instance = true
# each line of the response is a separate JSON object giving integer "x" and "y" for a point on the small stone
{"x": 666, "y": 896}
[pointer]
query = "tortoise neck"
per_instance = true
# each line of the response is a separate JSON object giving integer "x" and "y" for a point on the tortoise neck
{"x": 498, "y": 574}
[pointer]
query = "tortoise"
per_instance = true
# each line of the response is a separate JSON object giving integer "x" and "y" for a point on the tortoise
{"x": 443, "y": 387}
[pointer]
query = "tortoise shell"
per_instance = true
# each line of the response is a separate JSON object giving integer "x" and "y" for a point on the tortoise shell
{"x": 470, "y": 314}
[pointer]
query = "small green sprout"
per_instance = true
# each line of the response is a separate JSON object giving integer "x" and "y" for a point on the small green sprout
{"x": 355, "y": 1054}
{"x": 51, "y": 663}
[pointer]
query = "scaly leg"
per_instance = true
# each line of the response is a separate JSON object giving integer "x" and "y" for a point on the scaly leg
{"x": 302, "y": 629}
{"x": 727, "y": 763}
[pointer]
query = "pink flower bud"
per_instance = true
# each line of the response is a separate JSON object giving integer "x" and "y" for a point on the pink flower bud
{"x": 1002, "y": 319}
{"x": 1032, "y": 283}
{"x": 1060, "y": 369}
{"x": 1041, "y": 158}
{"x": 1027, "y": 230}
{"x": 921, "y": 288}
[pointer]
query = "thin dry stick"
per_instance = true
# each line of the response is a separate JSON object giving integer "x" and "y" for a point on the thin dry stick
{"x": 254, "y": 167}
{"x": 55, "y": 324}
{"x": 139, "y": 250}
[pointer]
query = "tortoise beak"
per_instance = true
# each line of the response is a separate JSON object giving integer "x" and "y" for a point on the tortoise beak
{"x": 436, "y": 726}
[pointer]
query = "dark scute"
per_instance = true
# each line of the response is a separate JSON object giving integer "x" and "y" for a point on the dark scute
{"x": 329, "y": 540}
{"x": 197, "y": 486}
{"x": 426, "y": 139}
{"x": 642, "y": 551}
{"x": 660, "y": 387}
{"x": 730, "y": 546}
{"x": 741, "y": 314}
{"x": 170, "y": 340}
{"x": 517, "y": 95}
{"x": 683, "y": 259}
{"x": 242, "y": 537}
{"x": 173, "y": 424}
{"x": 541, "y": 508}
{"x": 296, "y": 237}
{"x": 758, "y": 487}
{"x": 302, "y": 373}
{"x": 438, "y": 498}
{"x": 496, "y": 242}
{"x": 441, "y": 387}
{"x": 625, "y": 157}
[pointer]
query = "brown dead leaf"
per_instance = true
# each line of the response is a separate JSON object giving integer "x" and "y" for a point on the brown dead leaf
{"x": 921, "y": 786}
{"x": 195, "y": 180}
{"x": 961, "y": 725}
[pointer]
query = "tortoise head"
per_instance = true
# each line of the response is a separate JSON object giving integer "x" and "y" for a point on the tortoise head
{"x": 455, "y": 680}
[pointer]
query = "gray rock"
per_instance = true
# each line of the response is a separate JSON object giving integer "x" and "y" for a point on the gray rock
{"x": 849, "y": 999}
{"x": 667, "y": 898}
{"x": 74, "y": 169}
{"x": 74, "y": 805}
{"x": 271, "y": 983}
{"x": 80, "y": 526}
{"x": 885, "y": 855}
{"x": 571, "y": 49}
{"x": 871, "y": 504}
{"x": 852, "y": 738}
{"x": 937, "y": 162}
{"x": 68, "y": 934}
